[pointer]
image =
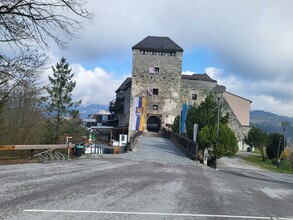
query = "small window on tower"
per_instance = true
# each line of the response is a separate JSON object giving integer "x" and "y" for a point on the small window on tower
{"x": 194, "y": 96}
{"x": 154, "y": 70}
{"x": 157, "y": 70}
{"x": 155, "y": 107}
{"x": 155, "y": 91}
{"x": 143, "y": 52}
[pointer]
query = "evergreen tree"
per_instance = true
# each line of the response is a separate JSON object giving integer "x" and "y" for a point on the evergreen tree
{"x": 257, "y": 138}
{"x": 175, "y": 125}
{"x": 204, "y": 115}
{"x": 227, "y": 146}
{"x": 59, "y": 101}
{"x": 275, "y": 145}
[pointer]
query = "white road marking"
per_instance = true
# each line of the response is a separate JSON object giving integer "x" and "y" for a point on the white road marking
{"x": 155, "y": 213}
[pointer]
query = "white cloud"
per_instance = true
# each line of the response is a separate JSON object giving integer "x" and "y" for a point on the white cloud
{"x": 188, "y": 72}
{"x": 253, "y": 40}
{"x": 267, "y": 95}
{"x": 94, "y": 86}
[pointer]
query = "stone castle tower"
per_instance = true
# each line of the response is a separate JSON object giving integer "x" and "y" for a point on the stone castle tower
{"x": 157, "y": 90}
{"x": 156, "y": 77}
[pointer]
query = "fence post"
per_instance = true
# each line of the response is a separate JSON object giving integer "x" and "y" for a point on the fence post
{"x": 32, "y": 153}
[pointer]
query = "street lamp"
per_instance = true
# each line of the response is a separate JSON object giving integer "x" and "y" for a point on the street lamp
{"x": 279, "y": 147}
{"x": 284, "y": 125}
{"x": 219, "y": 90}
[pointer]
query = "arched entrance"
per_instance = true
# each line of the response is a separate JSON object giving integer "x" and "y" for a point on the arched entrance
{"x": 154, "y": 124}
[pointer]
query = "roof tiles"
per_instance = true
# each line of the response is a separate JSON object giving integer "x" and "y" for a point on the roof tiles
{"x": 164, "y": 44}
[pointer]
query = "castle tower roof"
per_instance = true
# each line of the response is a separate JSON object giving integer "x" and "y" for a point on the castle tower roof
{"x": 152, "y": 43}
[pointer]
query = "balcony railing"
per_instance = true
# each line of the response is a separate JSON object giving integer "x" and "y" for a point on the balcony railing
{"x": 116, "y": 105}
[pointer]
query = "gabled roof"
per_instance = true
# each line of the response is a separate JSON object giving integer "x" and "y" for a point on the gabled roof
{"x": 164, "y": 44}
{"x": 125, "y": 84}
{"x": 200, "y": 77}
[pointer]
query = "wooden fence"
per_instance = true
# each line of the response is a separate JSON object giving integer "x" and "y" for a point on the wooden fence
{"x": 69, "y": 147}
{"x": 36, "y": 147}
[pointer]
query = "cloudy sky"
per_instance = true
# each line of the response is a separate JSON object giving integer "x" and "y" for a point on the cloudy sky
{"x": 246, "y": 45}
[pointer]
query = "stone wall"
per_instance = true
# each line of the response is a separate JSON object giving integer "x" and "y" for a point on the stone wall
{"x": 167, "y": 81}
{"x": 172, "y": 91}
{"x": 200, "y": 88}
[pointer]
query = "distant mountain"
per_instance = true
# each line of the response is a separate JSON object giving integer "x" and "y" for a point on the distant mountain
{"x": 86, "y": 110}
{"x": 271, "y": 123}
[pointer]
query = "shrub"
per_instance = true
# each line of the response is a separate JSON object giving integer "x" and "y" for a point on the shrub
{"x": 275, "y": 161}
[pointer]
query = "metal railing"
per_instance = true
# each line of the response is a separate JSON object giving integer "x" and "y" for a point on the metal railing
{"x": 97, "y": 148}
{"x": 116, "y": 105}
{"x": 51, "y": 155}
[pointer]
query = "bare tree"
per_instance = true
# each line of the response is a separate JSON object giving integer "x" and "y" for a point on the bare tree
{"x": 24, "y": 21}
{"x": 26, "y": 28}
{"x": 13, "y": 71}
{"x": 22, "y": 121}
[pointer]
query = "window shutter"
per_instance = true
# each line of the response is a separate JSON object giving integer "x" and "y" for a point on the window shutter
{"x": 149, "y": 92}
{"x": 152, "y": 70}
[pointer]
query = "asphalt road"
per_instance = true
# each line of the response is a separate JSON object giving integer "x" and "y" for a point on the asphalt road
{"x": 155, "y": 182}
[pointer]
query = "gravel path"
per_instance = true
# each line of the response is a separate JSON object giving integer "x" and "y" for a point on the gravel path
{"x": 152, "y": 147}
{"x": 237, "y": 163}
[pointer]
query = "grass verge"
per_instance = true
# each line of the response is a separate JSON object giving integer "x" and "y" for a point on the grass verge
{"x": 268, "y": 165}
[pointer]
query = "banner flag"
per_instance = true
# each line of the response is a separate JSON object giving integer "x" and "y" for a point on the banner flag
{"x": 137, "y": 113}
{"x": 195, "y": 129}
{"x": 183, "y": 117}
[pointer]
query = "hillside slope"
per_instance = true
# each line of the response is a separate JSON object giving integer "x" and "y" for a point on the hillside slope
{"x": 271, "y": 123}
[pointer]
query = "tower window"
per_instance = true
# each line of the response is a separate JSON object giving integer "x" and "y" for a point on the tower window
{"x": 162, "y": 53}
{"x": 157, "y": 69}
{"x": 171, "y": 54}
{"x": 155, "y": 107}
{"x": 194, "y": 97}
{"x": 143, "y": 52}
{"x": 155, "y": 91}
{"x": 153, "y": 53}
{"x": 154, "y": 70}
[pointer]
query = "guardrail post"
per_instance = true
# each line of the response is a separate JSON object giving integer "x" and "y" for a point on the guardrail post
{"x": 32, "y": 153}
